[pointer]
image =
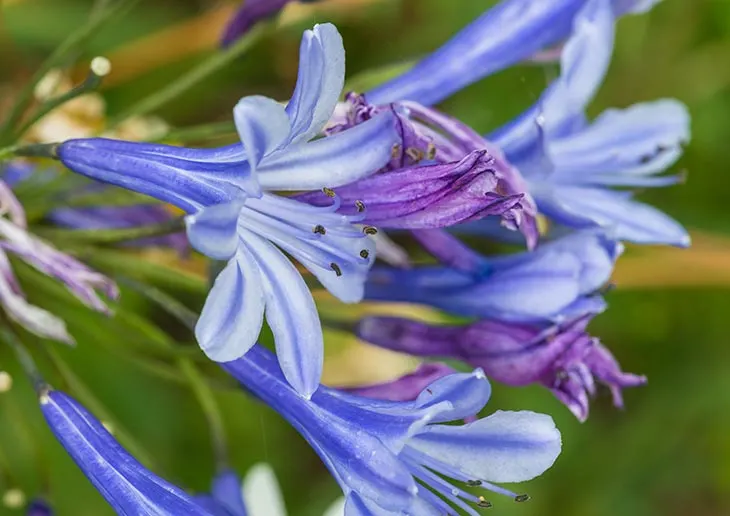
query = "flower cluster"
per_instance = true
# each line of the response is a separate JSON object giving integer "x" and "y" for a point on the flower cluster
{"x": 319, "y": 181}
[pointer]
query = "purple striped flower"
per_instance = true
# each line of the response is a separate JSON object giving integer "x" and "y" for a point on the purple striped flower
{"x": 562, "y": 357}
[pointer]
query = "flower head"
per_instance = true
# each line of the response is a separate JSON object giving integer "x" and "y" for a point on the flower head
{"x": 233, "y": 216}
{"x": 509, "y": 32}
{"x": 562, "y": 357}
{"x": 388, "y": 456}
{"x": 561, "y": 279}
{"x": 571, "y": 165}
{"x": 125, "y": 484}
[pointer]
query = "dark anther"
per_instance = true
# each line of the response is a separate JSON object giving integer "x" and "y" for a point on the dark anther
{"x": 319, "y": 228}
{"x": 415, "y": 154}
{"x": 364, "y": 253}
{"x": 329, "y": 192}
{"x": 395, "y": 151}
{"x": 473, "y": 483}
{"x": 483, "y": 503}
{"x": 336, "y": 268}
{"x": 369, "y": 230}
{"x": 429, "y": 391}
{"x": 360, "y": 206}
{"x": 522, "y": 498}
{"x": 431, "y": 151}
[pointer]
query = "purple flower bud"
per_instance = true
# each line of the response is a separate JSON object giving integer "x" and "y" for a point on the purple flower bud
{"x": 407, "y": 387}
{"x": 248, "y": 14}
{"x": 563, "y": 358}
{"x": 38, "y": 507}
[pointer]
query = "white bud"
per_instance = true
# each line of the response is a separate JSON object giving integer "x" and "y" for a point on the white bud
{"x": 14, "y": 498}
{"x": 100, "y": 66}
{"x": 6, "y": 381}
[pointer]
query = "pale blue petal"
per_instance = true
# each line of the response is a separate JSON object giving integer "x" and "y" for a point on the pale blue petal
{"x": 621, "y": 217}
{"x": 643, "y": 139}
{"x": 262, "y": 125}
{"x": 466, "y": 394}
{"x": 292, "y": 316}
{"x": 233, "y": 313}
{"x": 504, "y": 447}
{"x": 583, "y": 65}
{"x": 213, "y": 231}
{"x": 319, "y": 83}
{"x": 333, "y": 161}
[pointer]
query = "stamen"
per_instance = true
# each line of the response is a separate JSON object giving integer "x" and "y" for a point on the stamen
{"x": 336, "y": 268}
{"x": 484, "y": 503}
{"x": 473, "y": 483}
{"x": 369, "y": 230}
{"x": 395, "y": 151}
{"x": 360, "y": 206}
{"x": 364, "y": 253}
{"x": 415, "y": 154}
{"x": 319, "y": 228}
{"x": 522, "y": 498}
{"x": 329, "y": 192}
{"x": 431, "y": 151}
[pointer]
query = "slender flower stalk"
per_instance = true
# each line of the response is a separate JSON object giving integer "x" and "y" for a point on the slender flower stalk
{"x": 234, "y": 217}
{"x": 389, "y": 457}
{"x": 562, "y": 357}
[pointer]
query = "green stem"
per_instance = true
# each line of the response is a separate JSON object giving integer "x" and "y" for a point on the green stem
{"x": 85, "y": 396}
{"x": 113, "y": 236}
{"x": 211, "y": 65}
{"x": 168, "y": 303}
{"x": 24, "y": 357}
{"x": 211, "y": 410}
{"x": 67, "y": 47}
{"x": 199, "y": 132}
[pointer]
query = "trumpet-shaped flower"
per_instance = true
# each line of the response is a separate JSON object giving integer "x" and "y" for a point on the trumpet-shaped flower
{"x": 571, "y": 164}
{"x": 511, "y": 31}
{"x": 390, "y": 457}
{"x": 234, "y": 217}
{"x": 258, "y": 495}
{"x": 81, "y": 281}
{"x": 561, "y": 279}
{"x": 125, "y": 484}
{"x": 562, "y": 357}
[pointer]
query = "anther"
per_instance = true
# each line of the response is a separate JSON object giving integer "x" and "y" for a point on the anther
{"x": 473, "y": 483}
{"x": 395, "y": 151}
{"x": 522, "y": 498}
{"x": 431, "y": 151}
{"x": 415, "y": 154}
{"x": 336, "y": 268}
{"x": 329, "y": 192}
{"x": 364, "y": 253}
{"x": 369, "y": 230}
{"x": 360, "y": 206}
{"x": 484, "y": 503}
{"x": 319, "y": 228}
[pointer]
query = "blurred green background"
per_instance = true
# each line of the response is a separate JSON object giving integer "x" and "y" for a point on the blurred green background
{"x": 668, "y": 453}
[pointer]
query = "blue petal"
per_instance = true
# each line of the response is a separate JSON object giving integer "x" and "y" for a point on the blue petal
{"x": 633, "y": 6}
{"x": 213, "y": 231}
{"x": 319, "y": 83}
{"x": 466, "y": 394}
{"x": 618, "y": 214}
{"x": 263, "y": 127}
{"x": 643, "y": 139}
{"x": 233, "y": 313}
{"x": 333, "y": 161}
{"x": 226, "y": 490}
{"x": 505, "y": 34}
{"x": 504, "y": 447}
{"x": 127, "y": 485}
{"x": 292, "y": 316}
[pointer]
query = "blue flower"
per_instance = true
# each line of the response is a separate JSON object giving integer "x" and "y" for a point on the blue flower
{"x": 571, "y": 164}
{"x": 38, "y": 507}
{"x": 560, "y": 279}
{"x": 389, "y": 456}
{"x": 123, "y": 482}
{"x": 233, "y": 216}
{"x": 511, "y": 31}
{"x": 258, "y": 495}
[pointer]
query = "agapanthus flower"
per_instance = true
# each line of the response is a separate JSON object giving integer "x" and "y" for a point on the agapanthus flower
{"x": 570, "y": 164}
{"x": 80, "y": 280}
{"x": 407, "y": 387}
{"x": 392, "y": 457}
{"x": 440, "y": 174}
{"x": 127, "y": 216}
{"x": 258, "y": 495}
{"x": 511, "y": 31}
{"x": 249, "y": 13}
{"x": 563, "y": 357}
{"x": 234, "y": 217}
{"x": 38, "y": 507}
{"x": 125, "y": 484}
{"x": 561, "y": 279}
